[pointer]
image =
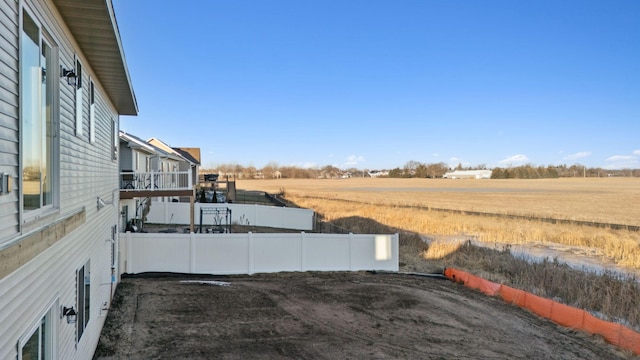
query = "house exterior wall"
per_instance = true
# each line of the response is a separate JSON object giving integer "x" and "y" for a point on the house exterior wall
{"x": 9, "y": 145}
{"x": 126, "y": 157}
{"x": 39, "y": 256}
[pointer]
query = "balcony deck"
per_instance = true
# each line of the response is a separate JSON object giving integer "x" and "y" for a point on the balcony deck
{"x": 154, "y": 184}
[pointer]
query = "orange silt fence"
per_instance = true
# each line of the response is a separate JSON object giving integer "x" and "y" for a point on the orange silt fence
{"x": 561, "y": 314}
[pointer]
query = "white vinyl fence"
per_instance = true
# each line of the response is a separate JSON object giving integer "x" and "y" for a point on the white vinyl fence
{"x": 255, "y": 215}
{"x": 256, "y": 253}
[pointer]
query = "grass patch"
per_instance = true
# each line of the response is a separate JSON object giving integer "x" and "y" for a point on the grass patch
{"x": 620, "y": 246}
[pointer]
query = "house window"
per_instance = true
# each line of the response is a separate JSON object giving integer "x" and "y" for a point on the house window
{"x": 114, "y": 239}
{"x": 92, "y": 113}
{"x": 114, "y": 140}
{"x": 83, "y": 282}
{"x": 37, "y": 81}
{"x": 38, "y": 343}
{"x": 78, "y": 98}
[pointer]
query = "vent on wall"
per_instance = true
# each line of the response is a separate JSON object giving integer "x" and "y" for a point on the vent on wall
{"x": 5, "y": 183}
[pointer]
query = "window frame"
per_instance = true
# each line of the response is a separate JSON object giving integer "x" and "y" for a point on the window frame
{"x": 46, "y": 321}
{"x": 92, "y": 112}
{"x": 115, "y": 139}
{"x": 83, "y": 299}
{"x": 78, "y": 96}
{"x": 49, "y": 125}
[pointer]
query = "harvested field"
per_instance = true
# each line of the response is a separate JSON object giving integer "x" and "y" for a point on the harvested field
{"x": 328, "y": 316}
{"x": 608, "y": 200}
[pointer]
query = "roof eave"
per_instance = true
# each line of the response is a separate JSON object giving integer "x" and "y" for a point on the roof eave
{"x": 94, "y": 27}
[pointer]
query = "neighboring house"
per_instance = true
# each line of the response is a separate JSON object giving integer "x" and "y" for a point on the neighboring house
{"x": 193, "y": 156}
{"x": 187, "y": 163}
{"x": 64, "y": 82}
{"x": 468, "y": 174}
{"x": 149, "y": 172}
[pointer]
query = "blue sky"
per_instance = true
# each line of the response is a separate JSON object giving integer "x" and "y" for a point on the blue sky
{"x": 374, "y": 84}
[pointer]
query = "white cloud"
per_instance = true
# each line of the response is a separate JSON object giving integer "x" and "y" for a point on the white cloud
{"x": 515, "y": 160}
{"x": 578, "y": 155}
{"x": 623, "y": 161}
{"x": 353, "y": 160}
{"x": 621, "y": 158}
{"x": 435, "y": 155}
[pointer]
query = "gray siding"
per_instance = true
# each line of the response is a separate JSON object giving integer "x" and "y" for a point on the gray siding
{"x": 86, "y": 171}
{"x": 46, "y": 278}
{"x": 9, "y": 145}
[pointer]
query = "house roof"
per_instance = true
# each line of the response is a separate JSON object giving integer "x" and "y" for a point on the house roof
{"x": 164, "y": 146}
{"x": 187, "y": 155}
{"x": 137, "y": 143}
{"x": 94, "y": 27}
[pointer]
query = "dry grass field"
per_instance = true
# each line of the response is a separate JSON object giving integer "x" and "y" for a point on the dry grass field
{"x": 407, "y": 206}
{"x": 609, "y": 200}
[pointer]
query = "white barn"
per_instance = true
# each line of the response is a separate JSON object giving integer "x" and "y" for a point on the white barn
{"x": 64, "y": 82}
{"x": 468, "y": 174}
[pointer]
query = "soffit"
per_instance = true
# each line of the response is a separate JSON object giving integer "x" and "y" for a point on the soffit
{"x": 94, "y": 27}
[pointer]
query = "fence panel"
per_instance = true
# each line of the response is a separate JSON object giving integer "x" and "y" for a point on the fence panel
{"x": 275, "y": 253}
{"x": 221, "y": 254}
{"x": 324, "y": 253}
{"x": 242, "y": 214}
{"x": 256, "y": 253}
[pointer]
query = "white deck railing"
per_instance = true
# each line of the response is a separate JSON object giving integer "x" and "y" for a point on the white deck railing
{"x": 155, "y": 181}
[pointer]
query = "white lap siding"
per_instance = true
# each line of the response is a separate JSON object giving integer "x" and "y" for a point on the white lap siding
{"x": 9, "y": 115}
{"x": 86, "y": 171}
{"x": 51, "y": 276}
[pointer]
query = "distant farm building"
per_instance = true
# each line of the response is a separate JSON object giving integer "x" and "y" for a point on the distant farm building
{"x": 468, "y": 174}
{"x": 377, "y": 173}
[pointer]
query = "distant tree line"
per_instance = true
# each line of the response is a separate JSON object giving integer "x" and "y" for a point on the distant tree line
{"x": 558, "y": 171}
{"x": 415, "y": 169}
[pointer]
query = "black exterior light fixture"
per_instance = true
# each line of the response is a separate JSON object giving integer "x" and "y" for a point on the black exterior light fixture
{"x": 71, "y": 76}
{"x": 70, "y": 313}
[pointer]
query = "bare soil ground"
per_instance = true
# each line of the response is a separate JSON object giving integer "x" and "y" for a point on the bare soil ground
{"x": 328, "y": 316}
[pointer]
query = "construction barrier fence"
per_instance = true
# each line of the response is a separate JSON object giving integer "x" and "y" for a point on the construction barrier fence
{"x": 561, "y": 314}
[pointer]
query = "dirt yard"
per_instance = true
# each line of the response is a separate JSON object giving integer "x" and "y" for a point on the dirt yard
{"x": 328, "y": 316}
